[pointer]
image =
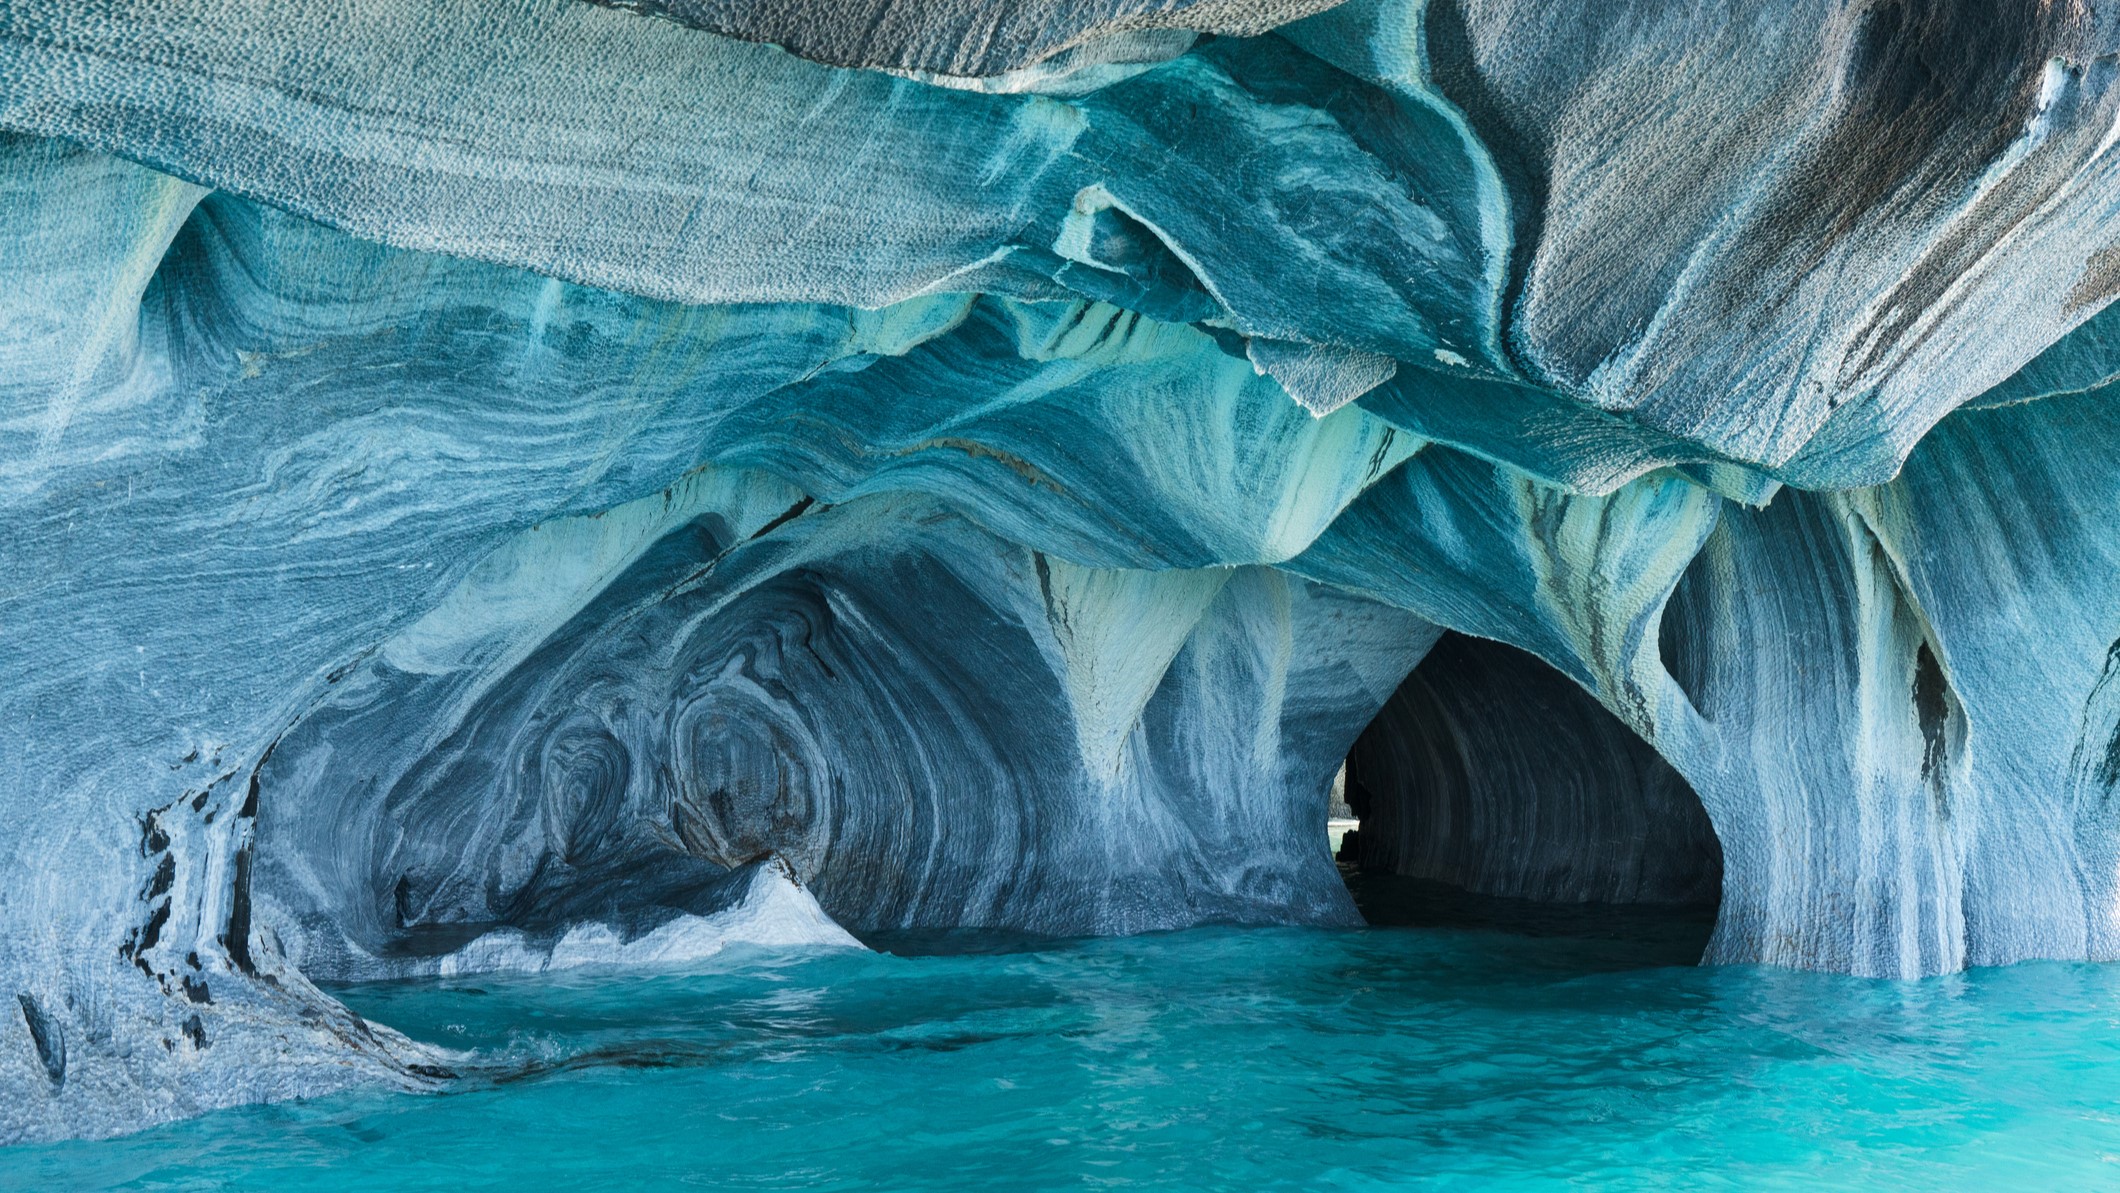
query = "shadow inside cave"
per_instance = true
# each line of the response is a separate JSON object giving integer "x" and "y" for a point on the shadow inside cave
{"x": 1494, "y": 794}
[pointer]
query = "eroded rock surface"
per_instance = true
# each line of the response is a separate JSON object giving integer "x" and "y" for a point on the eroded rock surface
{"x": 537, "y": 484}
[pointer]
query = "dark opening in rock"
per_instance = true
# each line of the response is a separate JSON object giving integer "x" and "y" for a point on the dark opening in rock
{"x": 1493, "y": 791}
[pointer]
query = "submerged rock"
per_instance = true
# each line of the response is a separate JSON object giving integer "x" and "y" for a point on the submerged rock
{"x": 477, "y": 480}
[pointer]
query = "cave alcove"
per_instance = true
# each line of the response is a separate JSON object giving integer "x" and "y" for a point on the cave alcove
{"x": 1492, "y": 792}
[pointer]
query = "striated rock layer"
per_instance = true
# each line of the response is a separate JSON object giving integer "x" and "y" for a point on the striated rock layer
{"x": 537, "y": 484}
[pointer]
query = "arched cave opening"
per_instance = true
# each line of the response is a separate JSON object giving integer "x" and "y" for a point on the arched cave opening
{"x": 1492, "y": 792}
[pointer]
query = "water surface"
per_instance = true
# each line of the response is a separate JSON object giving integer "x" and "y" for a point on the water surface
{"x": 1572, "y": 1053}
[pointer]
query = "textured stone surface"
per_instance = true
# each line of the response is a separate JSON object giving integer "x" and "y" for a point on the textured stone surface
{"x": 961, "y": 38}
{"x": 533, "y": 484}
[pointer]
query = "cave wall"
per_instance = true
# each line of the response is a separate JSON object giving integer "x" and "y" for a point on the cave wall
{"x": 261, "y": 467}
{"x": 493, "y": 472}
{"x": 1944, "y": 650}
{"x": 930, "y": 726}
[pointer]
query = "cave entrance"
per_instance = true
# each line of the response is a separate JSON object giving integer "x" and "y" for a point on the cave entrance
{"x": 1493, "y": 792}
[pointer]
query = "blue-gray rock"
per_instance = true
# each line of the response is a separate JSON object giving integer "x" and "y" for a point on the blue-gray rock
{"x": 534, "y": 484}
{"x": 962, "y": 40}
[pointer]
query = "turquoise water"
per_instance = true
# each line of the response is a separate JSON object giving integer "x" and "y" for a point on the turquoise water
{"x": 1210, "y": 1059}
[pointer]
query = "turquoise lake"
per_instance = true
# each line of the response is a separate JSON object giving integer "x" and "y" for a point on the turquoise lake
{"x": 1565, "y": 1052}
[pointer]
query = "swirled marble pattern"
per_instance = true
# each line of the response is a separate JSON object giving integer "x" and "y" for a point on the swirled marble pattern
{"x": 540, "y": 483}
{"x": 897, "y": 714}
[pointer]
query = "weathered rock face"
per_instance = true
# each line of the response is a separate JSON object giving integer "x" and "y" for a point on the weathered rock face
{"x": 534, "y": 484}
{"x": 934, "y": 729}
{"x": 978, "y": 45}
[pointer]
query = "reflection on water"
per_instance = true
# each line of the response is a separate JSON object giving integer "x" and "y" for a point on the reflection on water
{"x": 1636, "y": 936}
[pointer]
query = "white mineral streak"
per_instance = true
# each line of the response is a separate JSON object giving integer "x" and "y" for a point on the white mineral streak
{"x": 477, "y": 480}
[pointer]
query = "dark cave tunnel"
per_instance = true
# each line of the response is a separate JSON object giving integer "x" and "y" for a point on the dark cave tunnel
{"x": 1492, "y": 792}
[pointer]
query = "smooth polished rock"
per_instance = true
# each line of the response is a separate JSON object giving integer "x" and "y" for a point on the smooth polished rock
{"x": 528, "y": 484}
